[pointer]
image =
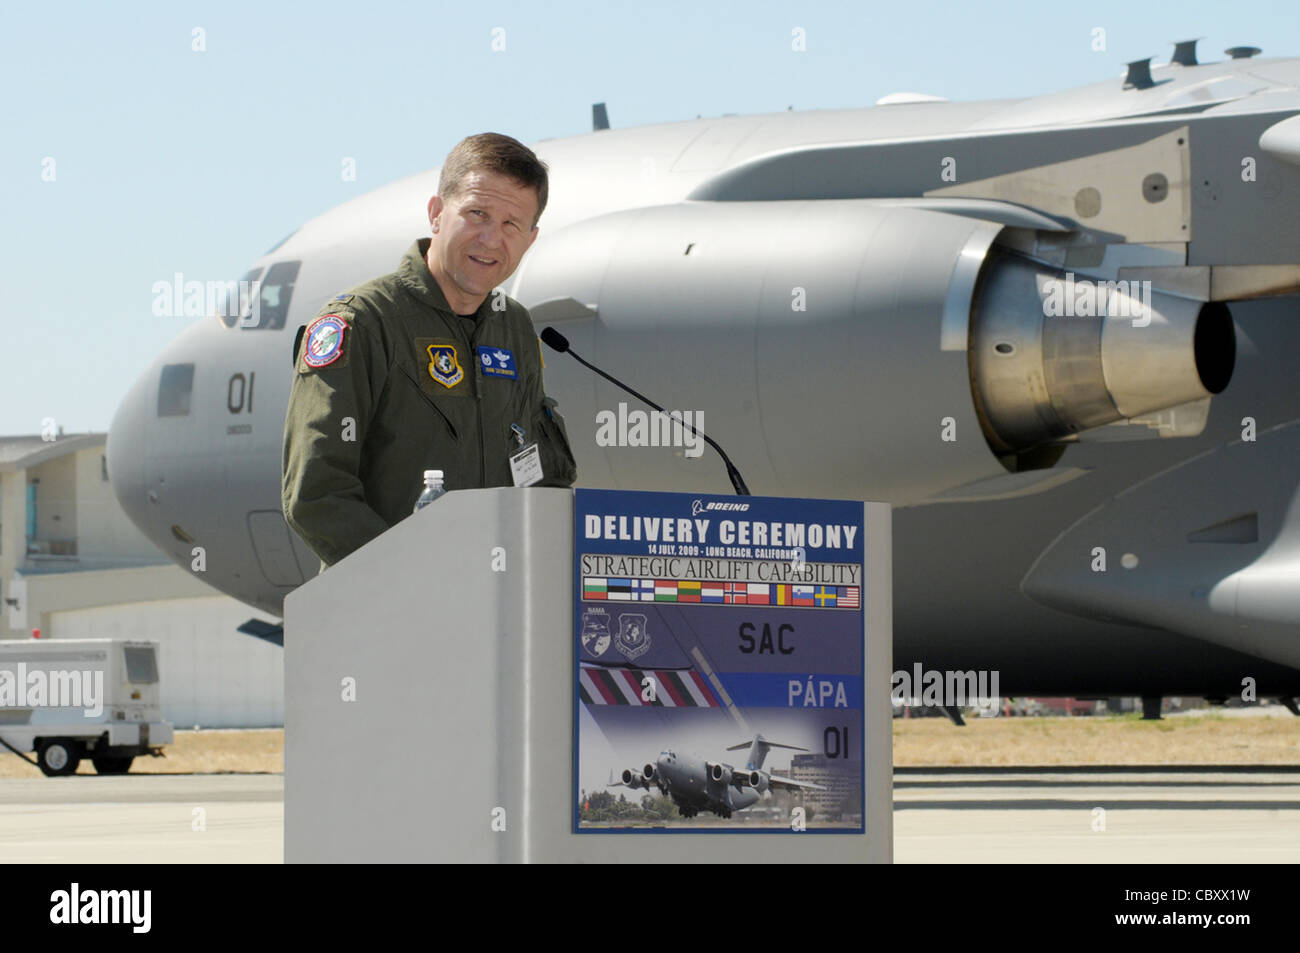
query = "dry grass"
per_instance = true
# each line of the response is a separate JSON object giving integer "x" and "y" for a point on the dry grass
{"x": 193, "y": 752}
{"x": 1201, "y": 739}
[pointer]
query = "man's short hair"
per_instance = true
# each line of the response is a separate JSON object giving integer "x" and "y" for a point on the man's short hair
{"x": 493, "y": 152}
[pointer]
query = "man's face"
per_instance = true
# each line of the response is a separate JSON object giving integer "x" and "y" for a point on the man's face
{"x": 479, "y": 236}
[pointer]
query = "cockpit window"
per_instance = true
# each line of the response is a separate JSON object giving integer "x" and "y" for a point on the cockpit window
{"x": 263, "y": 304}
{"x": 174, "y": 389}
{"x": 237, "y": 298}
{"x": 272, "y": 303}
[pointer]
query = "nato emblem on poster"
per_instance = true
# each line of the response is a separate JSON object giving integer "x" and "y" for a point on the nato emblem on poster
{"x": 719, "y": 665}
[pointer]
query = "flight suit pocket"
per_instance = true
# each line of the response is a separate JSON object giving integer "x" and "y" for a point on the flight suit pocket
{"x": 558, "y": 465}
{"x": 430, "y": 402}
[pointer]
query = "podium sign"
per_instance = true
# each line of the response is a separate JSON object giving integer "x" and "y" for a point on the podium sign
{"x": 472, "y": 684}
{"x": 719, "y": 664}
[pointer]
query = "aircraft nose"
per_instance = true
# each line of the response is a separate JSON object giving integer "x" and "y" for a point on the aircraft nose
{"x": 127, "y": 453}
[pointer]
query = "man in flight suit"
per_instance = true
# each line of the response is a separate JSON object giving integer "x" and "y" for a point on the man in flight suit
{"x": 426, "y": 368}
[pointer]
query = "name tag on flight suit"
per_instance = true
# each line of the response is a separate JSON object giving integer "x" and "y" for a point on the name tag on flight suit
{"x": 497, "y": 362}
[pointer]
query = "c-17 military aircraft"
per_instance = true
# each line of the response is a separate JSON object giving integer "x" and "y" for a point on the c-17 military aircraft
{"x": 1059, "y": 334}
{"x": 697, "y": 785}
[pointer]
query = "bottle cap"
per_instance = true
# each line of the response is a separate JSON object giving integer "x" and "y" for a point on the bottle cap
{"x": 433, "y": 475}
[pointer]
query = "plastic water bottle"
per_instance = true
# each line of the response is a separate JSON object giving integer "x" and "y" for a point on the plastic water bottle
{"x": 433, "y": 489}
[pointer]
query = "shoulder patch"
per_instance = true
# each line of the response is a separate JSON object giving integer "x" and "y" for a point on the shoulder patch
{"x": 324, "y": 341}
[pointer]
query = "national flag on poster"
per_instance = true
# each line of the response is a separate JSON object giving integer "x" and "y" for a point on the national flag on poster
{"x": 848, "y": 597}
{"x": 593, "y": 588}
{"x": 803, "y": 595}
{"x": 688, "y": 590}
{"x": 783, "y": 595}
{"x": 759, "y": 594}
{"x": 736, "y": 592}
{"x": 620, "y": 589}
{"x": 643, "y": 590}
{"x": 826, "y": 597}
{"x": 711, "y": 592}
{"x": 665, "y": 590}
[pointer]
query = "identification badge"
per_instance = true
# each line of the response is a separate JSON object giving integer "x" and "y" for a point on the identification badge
{"x": 497, "y": 362}
{"x": 526, "y": 466}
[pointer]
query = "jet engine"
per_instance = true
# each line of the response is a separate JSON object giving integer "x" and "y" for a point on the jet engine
{"x": 862, "y": 347}
{"x": 638, "y": 779}
{"x": 719, "y": 773}
{"x": 1052, "y": 355}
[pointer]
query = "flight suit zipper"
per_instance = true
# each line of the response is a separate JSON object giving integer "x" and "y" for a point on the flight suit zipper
{"x": 472, "y": 358}
{"x": 478, "y": 398}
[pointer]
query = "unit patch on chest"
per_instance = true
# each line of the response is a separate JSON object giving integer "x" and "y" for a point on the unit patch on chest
{"x": 444, "y": 364}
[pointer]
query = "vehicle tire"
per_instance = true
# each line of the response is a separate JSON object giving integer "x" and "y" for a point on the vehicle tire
{"x": 58, "y": 756}
{"x": 109, "y": 765}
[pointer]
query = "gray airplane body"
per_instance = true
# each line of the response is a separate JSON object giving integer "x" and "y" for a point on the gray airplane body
{"x": 697, "y": 785}
{"x": 941, "y": 305}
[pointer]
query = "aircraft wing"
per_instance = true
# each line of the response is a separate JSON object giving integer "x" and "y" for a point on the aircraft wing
{"x": 779, "y": 782}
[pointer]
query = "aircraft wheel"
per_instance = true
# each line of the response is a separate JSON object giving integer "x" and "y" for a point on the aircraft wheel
{"x": 108, "y": 765}
{"x": 58, "y": 756}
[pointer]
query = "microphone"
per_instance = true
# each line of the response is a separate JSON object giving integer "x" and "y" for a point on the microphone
{"x": 558, "y": 342}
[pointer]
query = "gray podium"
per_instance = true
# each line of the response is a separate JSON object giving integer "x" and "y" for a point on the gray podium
{"x": 429, "y": 700}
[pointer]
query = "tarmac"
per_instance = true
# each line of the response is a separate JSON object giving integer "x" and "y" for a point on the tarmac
{"x": 143, "y": 818}
{"x": 1157, "y": 814}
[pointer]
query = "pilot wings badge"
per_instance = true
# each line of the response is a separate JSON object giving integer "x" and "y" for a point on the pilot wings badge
{"x": 633, "y": 640}
{"x": 443, "y": 365}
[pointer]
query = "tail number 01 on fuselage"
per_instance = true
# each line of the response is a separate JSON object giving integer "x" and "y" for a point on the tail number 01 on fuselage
{"x": 239, "y": 393}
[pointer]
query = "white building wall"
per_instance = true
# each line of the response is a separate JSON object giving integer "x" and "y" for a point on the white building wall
{"x": 56, "y": 498}
{"x": 211, "y": 675}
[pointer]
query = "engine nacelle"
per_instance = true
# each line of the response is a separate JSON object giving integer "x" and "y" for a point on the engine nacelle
{"x": 719, "y": 773}
{"x": 637, "y": 779}
{"x": 842, "y": 347}
{"x": 1053, "y": 354}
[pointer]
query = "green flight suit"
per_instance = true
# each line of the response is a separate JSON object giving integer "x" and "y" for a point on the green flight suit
{"x": 411, "y": 386}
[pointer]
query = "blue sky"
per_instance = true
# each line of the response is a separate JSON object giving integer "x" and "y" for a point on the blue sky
{"x": 167, "y": 159}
